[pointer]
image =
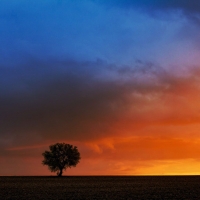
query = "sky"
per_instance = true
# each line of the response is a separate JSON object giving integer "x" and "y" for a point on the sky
{"x": 119, "y": 79}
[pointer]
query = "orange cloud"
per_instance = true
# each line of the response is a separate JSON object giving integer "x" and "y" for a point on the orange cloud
{"x": 119, "y": 128}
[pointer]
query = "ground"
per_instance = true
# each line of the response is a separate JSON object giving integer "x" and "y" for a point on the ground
{"x": 100, "y": 187}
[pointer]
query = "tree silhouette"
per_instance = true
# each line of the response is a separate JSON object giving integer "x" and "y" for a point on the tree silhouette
{"x": 60, "y": 157}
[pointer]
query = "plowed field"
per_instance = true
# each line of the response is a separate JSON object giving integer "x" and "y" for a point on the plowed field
{"x": 100, "y": 187}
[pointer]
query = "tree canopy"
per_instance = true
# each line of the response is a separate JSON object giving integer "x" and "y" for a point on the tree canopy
{"x": 60, "y": 157}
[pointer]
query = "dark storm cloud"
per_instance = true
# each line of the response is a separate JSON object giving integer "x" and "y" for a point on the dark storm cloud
{"x": 71, "y": 100}
{"x": 79, "y": 100}
{"x": 51, "y": 99}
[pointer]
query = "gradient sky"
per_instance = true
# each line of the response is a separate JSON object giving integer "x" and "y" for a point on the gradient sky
{"x": 120, "y": 79}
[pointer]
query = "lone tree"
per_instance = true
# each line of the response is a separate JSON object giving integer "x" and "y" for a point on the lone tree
{"x": 60, "y": 157}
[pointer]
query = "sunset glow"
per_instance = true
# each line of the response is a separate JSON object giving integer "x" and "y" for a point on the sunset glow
{"x": 119, "y": 80}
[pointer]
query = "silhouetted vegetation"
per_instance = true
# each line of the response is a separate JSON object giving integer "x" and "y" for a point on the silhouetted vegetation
{"x": 60, "y": 157}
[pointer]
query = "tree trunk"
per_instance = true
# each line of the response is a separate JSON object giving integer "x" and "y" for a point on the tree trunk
{"x": 60, "y": 173}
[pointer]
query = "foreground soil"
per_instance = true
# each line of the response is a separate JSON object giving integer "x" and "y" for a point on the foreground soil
{"x": 100, "y": 187}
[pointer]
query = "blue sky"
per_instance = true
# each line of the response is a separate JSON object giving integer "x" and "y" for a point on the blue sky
{"x": 118, "y": 32}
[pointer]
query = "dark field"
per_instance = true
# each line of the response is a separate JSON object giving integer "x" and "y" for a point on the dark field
{"x": 100, "y": 187}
